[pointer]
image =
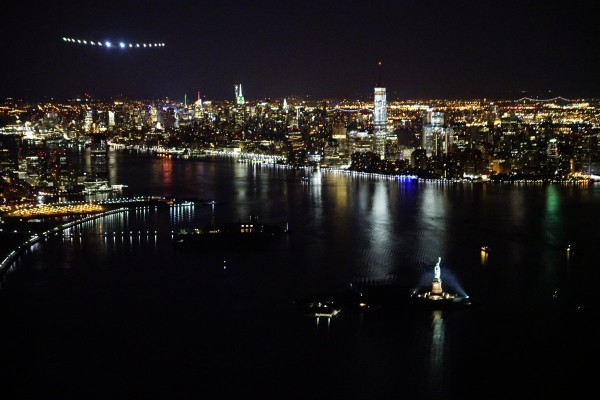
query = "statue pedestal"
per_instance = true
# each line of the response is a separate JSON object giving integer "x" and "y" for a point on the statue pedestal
{"x": 436, "y": 286}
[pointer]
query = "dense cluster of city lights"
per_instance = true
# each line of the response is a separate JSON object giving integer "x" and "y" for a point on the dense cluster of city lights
{"x": 112, "y": 45}
{"x": 56, "y": 209}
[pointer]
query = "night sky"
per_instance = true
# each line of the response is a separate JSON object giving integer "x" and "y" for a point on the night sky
{"x": 307, "y": 49}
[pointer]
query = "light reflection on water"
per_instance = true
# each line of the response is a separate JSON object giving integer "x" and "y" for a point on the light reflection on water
{"x": 362, "y": 230}
{"x": 436, "y": 360}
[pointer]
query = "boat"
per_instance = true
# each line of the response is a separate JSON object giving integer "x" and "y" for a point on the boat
{"x": 100, "y": 186}
{"x": 327, "y": 309}
{"x": 331, "y": 303}
{"x": 435, "y": 297}
{"x": 250, "y": 235}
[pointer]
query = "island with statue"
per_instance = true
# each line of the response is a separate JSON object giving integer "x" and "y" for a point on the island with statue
{"x": 435, "y": 296}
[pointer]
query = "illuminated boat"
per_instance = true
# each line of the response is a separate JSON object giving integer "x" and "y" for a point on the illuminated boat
{"x": 327, "y": 309}
{"x": 331, "y": 303}
{"x": 235, "y": 236}
{"x": 436, "y": 297}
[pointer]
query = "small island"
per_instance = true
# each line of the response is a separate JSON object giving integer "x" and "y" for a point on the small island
{"x": 435, "y": 296}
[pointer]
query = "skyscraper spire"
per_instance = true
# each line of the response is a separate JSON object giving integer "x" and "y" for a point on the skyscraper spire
{"x": 198, "y": 105}
{"x": 379, "y": 64}
{"x": 238, "y": 94}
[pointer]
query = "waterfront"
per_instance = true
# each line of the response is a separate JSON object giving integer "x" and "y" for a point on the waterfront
{"x": 91, "y": 315}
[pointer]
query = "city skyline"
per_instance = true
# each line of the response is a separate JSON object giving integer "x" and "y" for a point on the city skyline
{"x": 302, "y": 49}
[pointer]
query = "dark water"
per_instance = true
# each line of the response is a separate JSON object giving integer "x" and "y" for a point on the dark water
{"x": 111, "y": 309}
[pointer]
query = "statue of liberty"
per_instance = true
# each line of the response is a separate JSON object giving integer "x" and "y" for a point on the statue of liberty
{"x": 436, "y": 269}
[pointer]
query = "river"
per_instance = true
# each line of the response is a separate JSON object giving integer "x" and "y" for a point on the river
{"x": 111, "y": 309}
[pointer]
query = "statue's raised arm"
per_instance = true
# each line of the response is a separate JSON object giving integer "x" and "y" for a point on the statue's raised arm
{"x": 436, "y": 269}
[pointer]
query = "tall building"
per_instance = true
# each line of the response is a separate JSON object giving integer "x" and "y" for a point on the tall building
{"x": 99, "y": 157}
{"x": 111, "y": 119}
{"x": 435, "y": 140}
{"x": 88, "y": 120}
{"x": 341, "y": 138}
{"x": 167, "y": 116}
{"x": 239, "y": 97}
{"x": 379, "y": 119}
{"x": 198, "y": 109}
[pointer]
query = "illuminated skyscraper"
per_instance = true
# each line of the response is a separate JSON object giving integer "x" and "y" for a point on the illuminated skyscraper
{"x": 379, "y": 119}
{"x": 88, "y": 120}
{"x": 239, "y": 97}
{"x": 198, "y": 109}
{"x": 111, "y": 118}
{"x": 435, "y": 139}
